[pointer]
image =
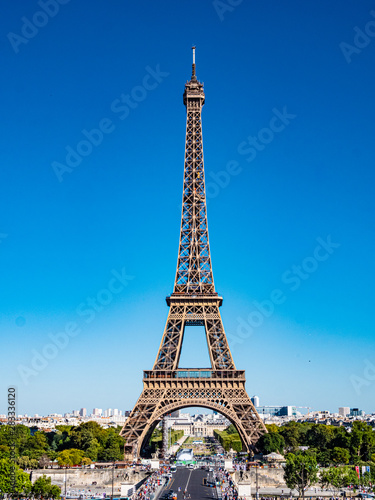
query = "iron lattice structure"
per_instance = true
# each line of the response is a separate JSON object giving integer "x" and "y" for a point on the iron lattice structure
{"x": 194, "y": 302}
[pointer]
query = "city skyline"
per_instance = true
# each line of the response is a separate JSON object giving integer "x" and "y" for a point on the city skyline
{"x": 264, "y": 411}
{"x": 91, "y": 190}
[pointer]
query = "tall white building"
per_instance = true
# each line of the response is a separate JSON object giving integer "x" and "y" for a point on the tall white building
{"x": 344, "y": 411}
{"x": 97, "y": 412}
{"x": 255, "y": 401}
{"x": 83, "y": 412}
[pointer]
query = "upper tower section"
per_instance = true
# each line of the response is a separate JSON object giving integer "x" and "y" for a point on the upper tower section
{"x": 194, "y": 274}
{"x": 194, "y": 94}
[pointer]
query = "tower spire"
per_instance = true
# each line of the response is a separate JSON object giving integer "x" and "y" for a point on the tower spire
{"x": 193, "y": 75}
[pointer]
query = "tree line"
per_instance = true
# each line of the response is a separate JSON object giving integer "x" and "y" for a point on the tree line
{"x": 69, "y": 445}
{"x": 229, "y": 439}
{"x": 330, "y": 444}
{"x": 42, "y": 488}
{"x": 333, "y": 457}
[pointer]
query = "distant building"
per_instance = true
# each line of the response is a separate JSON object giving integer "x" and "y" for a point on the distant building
{"x": 97, "y": 412}
{"x": 199, "y": 425}
{"x": 277, "y": 411}
{"x": 83, "y": 412}
{"x": 75, "y": 413}
{"x": 255, "y": 401}
{"x": 356, "y": 412}
{"x": 344, "y": 411}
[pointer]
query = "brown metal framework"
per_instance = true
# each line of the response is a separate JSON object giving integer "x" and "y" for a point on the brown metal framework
{"x": 193, "y": 302}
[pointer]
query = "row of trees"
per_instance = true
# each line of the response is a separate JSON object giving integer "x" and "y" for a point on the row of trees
{"x": 302, "y": 471}
{"x": 70, "y": 445}
{"x": 330, "y": 444}
{"x": 42, "y": 488}
{"x": 229, "y": 439}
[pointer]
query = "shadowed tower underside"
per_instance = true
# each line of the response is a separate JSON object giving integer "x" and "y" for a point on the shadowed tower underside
{"x": 194, "y": 302}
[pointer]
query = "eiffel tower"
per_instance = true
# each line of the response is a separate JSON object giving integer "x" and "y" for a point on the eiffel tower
{"x": 194, "y": 302}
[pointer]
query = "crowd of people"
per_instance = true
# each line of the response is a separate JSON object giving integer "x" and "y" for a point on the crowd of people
{"x": 239, "y": 466}
{"x": 149, "y": 487}
{"x": 228, "y": 489}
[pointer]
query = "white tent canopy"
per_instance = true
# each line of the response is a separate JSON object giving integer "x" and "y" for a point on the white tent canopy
{"x": 274, "y": 457}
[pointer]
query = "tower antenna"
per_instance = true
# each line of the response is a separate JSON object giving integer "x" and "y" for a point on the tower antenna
{"x": 193, "y": 71}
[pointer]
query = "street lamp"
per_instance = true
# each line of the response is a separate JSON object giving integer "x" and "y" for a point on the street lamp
{"x": 65, "y": 482}
{"x": 113, "y": 471}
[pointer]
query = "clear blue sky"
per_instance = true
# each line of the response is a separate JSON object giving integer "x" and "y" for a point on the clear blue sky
{"x": 117, "y": 212}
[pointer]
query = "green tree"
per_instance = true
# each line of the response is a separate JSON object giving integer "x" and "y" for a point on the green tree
{"x": 272, "y": 443}
{"x": 60, "y": 440}
{"x": 67, "y": 458}
{"x": 42, "y": 488}
{"x": 323, "y": 458}
{"x": 231, "y": 429}
{"x": 340, "y": 455}
{"x": 113, "y": 448}
{"x": 319, "y": 436}
{"x": 4, "y": 451}
{"x": 341, "y": 438}
{"x": 301, "y": 471}
{"x": 93, "y": 450}
{"x": 362, "y": 441}
{"x": 18, "y": 434}
{"x": 22, "y": 483}
{"x": 336, "y": 477}
{"x": 350, "y": 477}
{"x": 55, "y": 491}
{"x": 83, "y": 435}
{"x": 236, "y": 445}
{"x": 26, "y": 462}
{"x": 272, "y": 428}
{"x": 36, "y": 445}
{"x": 292, "y": 433}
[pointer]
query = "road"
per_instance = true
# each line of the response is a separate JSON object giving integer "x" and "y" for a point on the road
{"x": 192, "y": 481}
